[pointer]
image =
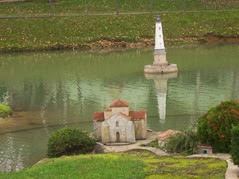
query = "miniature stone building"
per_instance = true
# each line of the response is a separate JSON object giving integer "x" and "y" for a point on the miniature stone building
{"x": 204, "y": 149}
{"x": 117, "y": 124}
{"x": 163, "y": 137}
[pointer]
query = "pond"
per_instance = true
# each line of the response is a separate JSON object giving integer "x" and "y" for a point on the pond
{"x": 52, "y": 90}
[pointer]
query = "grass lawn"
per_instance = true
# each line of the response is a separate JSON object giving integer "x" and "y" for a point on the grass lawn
{"x": 134, "y": 164}
{"x": 83, "y": 32}
{"x": 87, "y": 31}
{"x": 67, "y": 7}
{"x": 5, "y": 110}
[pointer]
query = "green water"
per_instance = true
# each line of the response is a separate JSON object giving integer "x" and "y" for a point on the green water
{"x": 55, "y": 89}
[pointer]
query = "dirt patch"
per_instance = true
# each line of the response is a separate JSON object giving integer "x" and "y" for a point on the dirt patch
{"x": 149, "y": 42}
{"x": 6, "y": 1}
{"x": 110, "y": 44}
{"x": 219, "y": 39}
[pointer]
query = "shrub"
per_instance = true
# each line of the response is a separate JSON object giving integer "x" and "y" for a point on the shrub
{"x": 235, "y": 145}
{"x": 5, "y": 110}
{"x": 153, "y": 144}
{"x": 69, "y": 141}
{"x": 215, "y": 126}
{"x": 182, "y": 142}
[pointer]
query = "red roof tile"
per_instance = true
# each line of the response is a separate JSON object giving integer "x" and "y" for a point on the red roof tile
{"x": 98, "y": 116}
{"x": 137, "y": 114}
{"x": 119, "y": 103}
{"x": 164, "y": 136}
{"x": 204, "y": 147}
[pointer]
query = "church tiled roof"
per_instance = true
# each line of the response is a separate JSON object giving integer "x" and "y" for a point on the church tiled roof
{"x": 98, "y": 116}
{"x": 119, "y": 103}
{"x": 137, "y": 114}
{"x": 133, "y": 115}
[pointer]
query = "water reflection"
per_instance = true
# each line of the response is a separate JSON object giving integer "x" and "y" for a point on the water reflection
{"x": 53, "y": 90}
{"x": 161, "y": 85}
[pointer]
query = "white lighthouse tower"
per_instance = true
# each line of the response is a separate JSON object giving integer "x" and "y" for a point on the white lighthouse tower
{"x": 160, "y": 64}
{"x": 159, "y": 43}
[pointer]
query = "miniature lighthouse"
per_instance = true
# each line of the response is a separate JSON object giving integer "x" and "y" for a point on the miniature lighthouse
{"x": 160, "y": 64}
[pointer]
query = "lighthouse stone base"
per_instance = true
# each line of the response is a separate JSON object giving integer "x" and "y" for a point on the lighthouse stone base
{"x": 170, "y": 68}
{"x": 160, "y": 64}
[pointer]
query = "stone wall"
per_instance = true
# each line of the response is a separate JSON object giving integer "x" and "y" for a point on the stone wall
{"x": 107, "y": 114}
{"x": 160, "y": 58}
{"x": 140, "y": 129}
{"x": 124, "y": 110}
{"x": 97, "y": 130}
{"x": 105, "y": 133}
{"x": 118, "y": 129}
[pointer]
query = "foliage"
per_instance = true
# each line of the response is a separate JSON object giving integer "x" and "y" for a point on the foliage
{"x": 134, "y": 164}
{"x": 5, "y": 110}
{"x": 153, "y": 144}
{"x": 235, "y": 145}
{"x": 5, "y": 98}
{"x": 182, "y": 142}
{"x": 69, "y": 141}
{"x": 215, "y": 126}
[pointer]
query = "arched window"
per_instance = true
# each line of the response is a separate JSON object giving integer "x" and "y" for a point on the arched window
{"x": 117, "y": 123}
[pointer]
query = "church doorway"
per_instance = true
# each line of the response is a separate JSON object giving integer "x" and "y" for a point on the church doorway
{"x": 117, "y": 137}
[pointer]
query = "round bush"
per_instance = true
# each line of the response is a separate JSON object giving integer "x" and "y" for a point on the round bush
{"x": 215, "y": 126}
{"x": 69, "y": 141}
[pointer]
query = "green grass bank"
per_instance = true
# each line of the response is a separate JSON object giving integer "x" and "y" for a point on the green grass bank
{"x": 185, "y": 21}
{"x": 113, "y": 31}
{"x": 134, "y": 164}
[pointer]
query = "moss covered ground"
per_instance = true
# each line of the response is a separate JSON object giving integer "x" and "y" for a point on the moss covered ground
{"x": 134, "y": 164}
{"x": 5, "y": 110}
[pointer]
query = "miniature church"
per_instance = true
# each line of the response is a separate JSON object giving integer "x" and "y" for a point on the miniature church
{"x": 160, "y": 64}
{"x": 117, "y": 124}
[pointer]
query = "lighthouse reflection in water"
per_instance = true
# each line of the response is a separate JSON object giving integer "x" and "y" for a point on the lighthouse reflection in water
{"x": 161, "y": 85}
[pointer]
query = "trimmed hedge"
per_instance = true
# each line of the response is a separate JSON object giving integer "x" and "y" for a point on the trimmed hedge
{"x": 235, "y": 145}
{"x": 214, "y": 128}
{"x": 69, "y": 141}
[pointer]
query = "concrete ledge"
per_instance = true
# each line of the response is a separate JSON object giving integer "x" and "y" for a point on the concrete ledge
{"x": 160, "y": 69}
{"x": 117, "y": 144}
